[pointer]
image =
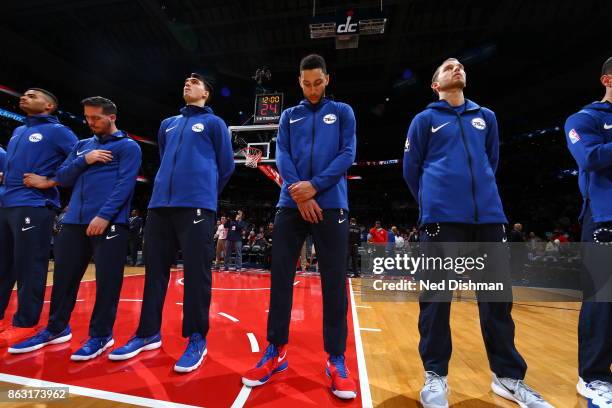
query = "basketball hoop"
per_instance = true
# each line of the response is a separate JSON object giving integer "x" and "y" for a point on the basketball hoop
{"x": 252, "y": 156}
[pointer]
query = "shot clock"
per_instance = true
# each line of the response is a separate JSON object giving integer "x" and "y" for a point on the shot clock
{"x": 268, "y": 108}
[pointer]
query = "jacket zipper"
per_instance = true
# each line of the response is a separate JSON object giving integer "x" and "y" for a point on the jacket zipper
{"x": 469, "y": 157}
{"x": 174, "y": 160}
{"x": 314, "y": 122}
{"x": 9, "y": 159}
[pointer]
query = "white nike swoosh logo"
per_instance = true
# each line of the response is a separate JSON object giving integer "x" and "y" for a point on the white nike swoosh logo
{"x": 111, "y": 237}
{"x": 606, "y": 126}
{"x": 282, "y": 358}
{"x": 169, "y": 129}
{"x": 27, "y": 228}
{"x": 341, "y": 221}
{"x": 198, "y": 221}
{"x": 434, "y": 130}
{"x": 296, "y": 120}
{"x": 505, "y": 240}
{"x": 82, "y": 151}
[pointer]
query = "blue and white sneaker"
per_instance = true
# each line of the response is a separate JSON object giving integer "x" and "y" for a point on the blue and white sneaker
{"x": 598, "y": 393}
{"x": 41, "y": 339}
{"x": 93, "y": 348}
{"x": 193, "y": 355}
{"x": 134, "y": 346}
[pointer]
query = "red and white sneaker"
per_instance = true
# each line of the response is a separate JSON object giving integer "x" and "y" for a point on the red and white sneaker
{"x": 273, "y": 361}
{"x": 14, "y": 334}
{"x": 342, "y": 385}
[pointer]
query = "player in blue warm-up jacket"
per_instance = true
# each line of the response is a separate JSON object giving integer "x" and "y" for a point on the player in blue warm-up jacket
{"x": 589, "y": 138}
{"x": 27, "y": 213}
{"x": 196, "y": 162}
{"x": 103, "y": 170}
{"x": 315, "y": 147}
{"x": 450, "y": 158}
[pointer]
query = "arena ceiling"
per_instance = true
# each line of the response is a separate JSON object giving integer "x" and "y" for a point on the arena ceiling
{"x": 533, "y": 62}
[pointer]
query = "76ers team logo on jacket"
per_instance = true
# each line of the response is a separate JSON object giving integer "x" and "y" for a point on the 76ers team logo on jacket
{"x": 479, "y": 123}
{"x": 574, "y": 136}
{"x": 35, "y": 137}
{"x": 198, "y": 127}
{"x": 329, "y": 118}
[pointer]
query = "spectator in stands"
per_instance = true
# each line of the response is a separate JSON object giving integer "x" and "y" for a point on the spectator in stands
{"x": 378, "y": 237}
{"x": 221, "y": 236}
{"x": 399, "y": 240}
{"x": 516, "y": 235}
{"x": 135, "y": 235}
{"x": 234, "y": 240}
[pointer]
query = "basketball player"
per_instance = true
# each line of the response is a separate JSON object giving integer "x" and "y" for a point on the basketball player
{"x": 452, "y": 151}
{"x": 103, "y": 170}
{"x": 26, "y": 216}
{"x": 315, "y": 147}
{"x": 589, "y": 138}
{"x": 196, "y": 162}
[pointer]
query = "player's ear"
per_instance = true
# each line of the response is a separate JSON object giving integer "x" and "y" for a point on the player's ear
{"x": 435, "y": 86}
{"x": 326, "y": 79}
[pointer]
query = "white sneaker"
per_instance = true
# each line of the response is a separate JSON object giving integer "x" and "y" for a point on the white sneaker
{"x": 598, "y": 392}
{"x": 517, "y": 391}
{"x": 433, "y": 394}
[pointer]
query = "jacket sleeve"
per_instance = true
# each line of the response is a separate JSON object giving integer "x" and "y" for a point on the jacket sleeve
{"x": 130, "y": 158}
{"x": 2, "y": 159}
{"x": 65, "y": 141}
{"x": 338, "y": 167}
{"x": 70, "y": 170}
{"x": 414, "y": 153}
{"x": 284, "y": 161}
{"x": 586, "y": 143}
{"x": 492, "y": 142}
{"x": 222, "y": 142}
{"x": 161, "y": 137}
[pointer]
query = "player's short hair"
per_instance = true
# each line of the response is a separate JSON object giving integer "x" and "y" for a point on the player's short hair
{"x": 606, "y": 69}
{"x": 108, "y": 106}
{"x": 313, "y": 61}
{"x": 49, "y": 96}
{"x": 207, "y": 84}
{"x": 434, "y": 78}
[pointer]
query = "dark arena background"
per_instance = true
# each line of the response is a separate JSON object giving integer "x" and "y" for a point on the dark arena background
{"x": 534, "y": 63}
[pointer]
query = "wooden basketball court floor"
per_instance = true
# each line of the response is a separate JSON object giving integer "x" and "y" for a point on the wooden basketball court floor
{"x": 392, "y": 374}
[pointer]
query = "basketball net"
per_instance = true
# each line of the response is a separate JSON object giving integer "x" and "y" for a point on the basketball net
{"x": 252, "y": 156}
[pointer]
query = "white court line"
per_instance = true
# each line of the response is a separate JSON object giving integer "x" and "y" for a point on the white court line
{"x": 179, "y": 303}
{"x": 366, "y": 396}
{"x": 232, "y": 318}
{"x": 93, "y": 393}
{"x": 295, "y": 283}
{"x": 130, "y": 300}
{"x": 253, "y": 341}
{"x": 78, "y": 300}
{"x": 242, "y": 397}
{"x": 370, "y": 330}
{"x": 364, "y": 307}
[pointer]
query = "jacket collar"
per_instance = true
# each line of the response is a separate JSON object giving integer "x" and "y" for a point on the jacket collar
{"x": 444, "y": 105}
{"x": 192, "y": 110}
{"x": 34, "y": 120}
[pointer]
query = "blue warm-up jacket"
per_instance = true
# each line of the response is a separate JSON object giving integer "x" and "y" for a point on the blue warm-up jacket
{"x": 317, "y": 143}
{"x": 39, "y": 146}
{"x": 450, "y": 159}
{"x": 589, "y": 138}
{"x": 197, "y": 160}
{"x": 102, "y": 189}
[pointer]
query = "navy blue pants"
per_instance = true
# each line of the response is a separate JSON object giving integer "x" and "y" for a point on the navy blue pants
{"x": 496, "y": 324}
{"x": 73, "y": 252}
{"x": 166, "y": 230}
{"x": 331, "y": 240}
{"x": 25, "y": 244}
{"x": 595, "y": 321}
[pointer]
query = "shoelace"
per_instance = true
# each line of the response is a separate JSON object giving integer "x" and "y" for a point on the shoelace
{"x": 433, "y": 380}
{"x": 338, "y": 362}
{"x": 524, "y": 391}
{"x": 602, "y": 388}
{"x": 270, "y": 353}
{"x": 192, "y": 347}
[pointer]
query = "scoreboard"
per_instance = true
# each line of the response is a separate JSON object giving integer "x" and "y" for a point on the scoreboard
{"x": 268, "y": 108}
